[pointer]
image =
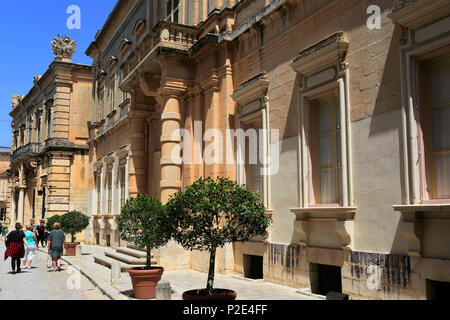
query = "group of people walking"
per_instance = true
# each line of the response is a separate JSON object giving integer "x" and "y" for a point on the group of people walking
{"x": 21, "y": 246}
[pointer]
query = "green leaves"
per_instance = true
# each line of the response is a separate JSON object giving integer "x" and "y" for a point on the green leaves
{"x": 209, "y": 214}
{"x": 144, "y": 222}
{"x": 51, "y": 221}
{"x": 73, "y": 222}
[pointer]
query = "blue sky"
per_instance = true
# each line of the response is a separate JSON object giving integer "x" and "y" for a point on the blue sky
{"x": 26, "y": 29}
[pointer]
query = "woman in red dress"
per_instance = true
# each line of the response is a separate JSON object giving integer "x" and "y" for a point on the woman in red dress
{"x": 15, "y": 242}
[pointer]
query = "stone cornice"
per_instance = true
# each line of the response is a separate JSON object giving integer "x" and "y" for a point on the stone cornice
{"x": 42, "y": 82}
{"x": 102, "y": 33}
{"x": 415, "y": 14}
{"x": 324, "y": 54}
{"x": 252, "y": 89}
{"x": 325, "y": 213}
{"x": 117, "y": 124}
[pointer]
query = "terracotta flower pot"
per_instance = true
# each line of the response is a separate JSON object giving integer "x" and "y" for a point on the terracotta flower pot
{"x": 71, "y": 248}
{"x": 202, "y": 294}
{"x": 145, "y": 281}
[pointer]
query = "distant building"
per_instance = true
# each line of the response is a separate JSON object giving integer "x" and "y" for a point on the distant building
{"x": 5, "y": 154}
{"x": 49, "y": 158}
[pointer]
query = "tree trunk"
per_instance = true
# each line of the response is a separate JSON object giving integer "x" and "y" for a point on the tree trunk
{"x": 212, "y": 267}
{"x": 73, "y": 238}
{"x": 149, "y": 259}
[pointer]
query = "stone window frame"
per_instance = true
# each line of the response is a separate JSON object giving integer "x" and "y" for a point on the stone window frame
{"x": 109, "y": 182}
{"x": 124, "y": 46}
{"x": 252, "y": 100}
{"x": 424, "y": 35}
{"x": 139, "y": 29}
{"x": 322, "y": 69}
{"x": 425, "y": 30}
{"x": 98, "y": 177}
{"x": 112, "y": 90}
{"x": 112, "y": 63}
{"x": 48, "y": 117}
{"x": 22, "y": 135}
{"x": 123, "y": 164}
{"x": 38, "y": 125}
{"x": 173, "y": 9}
{"x": 101, "y": 102}
{"x": 155, "y": 12}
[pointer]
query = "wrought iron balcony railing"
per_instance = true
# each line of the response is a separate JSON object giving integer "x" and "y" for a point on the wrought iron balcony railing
{"x": 27, "y": 150}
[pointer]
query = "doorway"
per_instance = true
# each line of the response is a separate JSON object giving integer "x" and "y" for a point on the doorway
{"x": 253, "y": 267}
{"x": 325, "y": 278}
{"x": 438, "y": 290}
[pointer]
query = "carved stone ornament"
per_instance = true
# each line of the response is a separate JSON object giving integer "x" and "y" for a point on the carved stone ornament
{"x": 36, "y": 78}
{"x": 63, "y": 48}
{"x": 16, "y": 100}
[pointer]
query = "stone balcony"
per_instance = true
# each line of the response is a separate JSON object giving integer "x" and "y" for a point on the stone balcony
{"x": 165, "y": 35}
{"x": 30, "y": 149}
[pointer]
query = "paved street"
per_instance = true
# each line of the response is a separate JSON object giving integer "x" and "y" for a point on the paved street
{"x": 39, "y": 284}
{"x": 183, "y": 280}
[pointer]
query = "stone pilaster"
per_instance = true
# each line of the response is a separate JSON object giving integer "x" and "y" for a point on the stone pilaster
{"x": 58, "y": 183}
{"x": 213, "y": 143}
{"x": 12, "y": 213}
{"x": 61, "y": 105}
{"x": 20, "y": 205}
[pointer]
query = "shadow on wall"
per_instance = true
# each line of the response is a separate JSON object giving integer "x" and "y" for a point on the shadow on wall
{"x": 389, "y": 97}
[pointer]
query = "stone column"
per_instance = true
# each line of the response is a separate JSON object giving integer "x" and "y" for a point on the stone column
{"x": 211, "y": 110}
{"x": 20, "y": 205}
{"x": 170, "y": 141}
{"x": 197, "y": 148}
{"x": 115, "y": 233}
{"x": 12, "y": 213}
{"x": 101, "y": 225}
{"x": 137, "y": 174}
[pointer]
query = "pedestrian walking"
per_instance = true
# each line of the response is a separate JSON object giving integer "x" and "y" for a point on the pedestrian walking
{"x": 46, "y": 236}
{"x": 4, "y": 232}
{"x": 15, "y": 242}
{"x": 56, "y": 242}
{"x": 41, "y": 234}
{"x": 31, "y": 249}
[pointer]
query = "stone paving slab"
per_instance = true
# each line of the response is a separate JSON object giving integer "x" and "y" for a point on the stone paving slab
{"x": 39, "y": 284}
{"x": 181, "y": 281}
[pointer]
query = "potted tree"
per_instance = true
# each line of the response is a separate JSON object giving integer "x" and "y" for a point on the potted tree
{"x": 72, "y": 223}
{"x": 144, "y": 222}
{"x": 210, "y": 214}
{"x": 51, "y": 222}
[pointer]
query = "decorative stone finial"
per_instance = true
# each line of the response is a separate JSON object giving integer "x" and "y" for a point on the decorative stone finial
{"x": 16, "y": 100}
{"x": 63, "y": 48}
{"x": 36, "y": 78}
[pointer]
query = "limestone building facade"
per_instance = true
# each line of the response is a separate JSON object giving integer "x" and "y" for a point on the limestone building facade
{"x": 5, "y": 154}
{"x": 49, "y": 159}
{"x": 350, "y": 107}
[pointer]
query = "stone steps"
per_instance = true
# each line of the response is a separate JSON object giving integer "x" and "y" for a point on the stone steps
{"x": 133, "y": 247}
{"x": 133, "y": 252}
{"x": 126, "y": 258}
{"x": 107, "y": 262}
